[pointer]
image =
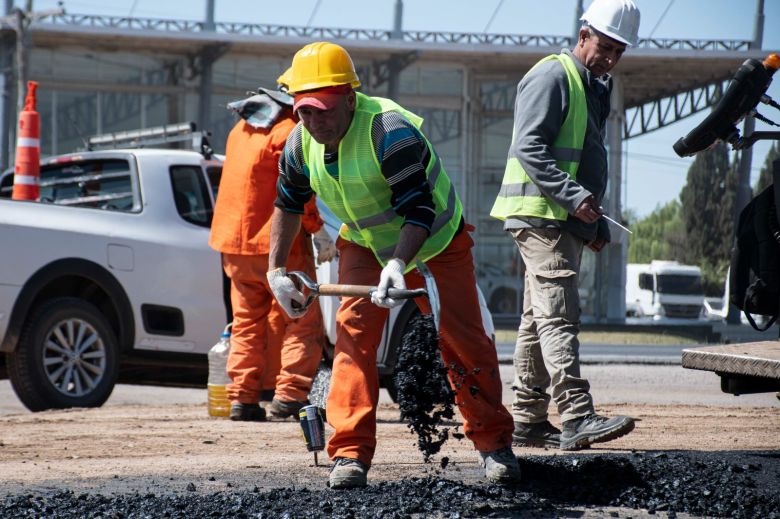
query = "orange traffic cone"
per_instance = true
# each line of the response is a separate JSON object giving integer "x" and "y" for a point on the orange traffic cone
{"x": 27, "y": 169}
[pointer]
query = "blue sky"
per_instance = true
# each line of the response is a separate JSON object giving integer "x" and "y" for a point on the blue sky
{"x": 653, "y": 174}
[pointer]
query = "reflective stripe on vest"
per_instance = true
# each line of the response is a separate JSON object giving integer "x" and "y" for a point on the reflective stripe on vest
{"x": 518, "y": 195}
{"x": 361, "y": 196}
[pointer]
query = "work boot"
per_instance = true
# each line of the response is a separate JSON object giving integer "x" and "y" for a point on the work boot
{"x": 282, "y": 409}
{"x": 501, "y": 466}
{"x": 579, "y": 433}
{"x": 266, "y": 395}
{"x": 247, "y": 413}
{"x": 542, "y": 434}
{"x": 348, "y": 473}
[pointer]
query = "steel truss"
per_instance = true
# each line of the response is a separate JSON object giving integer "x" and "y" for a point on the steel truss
{"x": 658, "y": 113}
{"x": 438, "y": 37}
{"x": 496, "y": 99}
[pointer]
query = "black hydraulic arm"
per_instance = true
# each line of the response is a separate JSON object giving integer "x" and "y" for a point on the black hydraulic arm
{"x": 747, "y": 89}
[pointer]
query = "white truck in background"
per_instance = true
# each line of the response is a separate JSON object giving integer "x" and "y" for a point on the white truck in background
{"x": 664, "y": 289}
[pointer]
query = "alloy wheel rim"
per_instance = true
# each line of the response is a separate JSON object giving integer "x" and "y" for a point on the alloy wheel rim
{"x": 74, "y": 357}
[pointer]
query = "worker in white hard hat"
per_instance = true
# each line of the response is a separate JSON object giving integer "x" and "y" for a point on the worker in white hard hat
{"x": 550, "y": 202}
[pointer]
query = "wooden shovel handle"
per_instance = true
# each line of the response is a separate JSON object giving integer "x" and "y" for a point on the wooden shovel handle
{"x": 365, "y": 291}
{"x": 346, "y": 290}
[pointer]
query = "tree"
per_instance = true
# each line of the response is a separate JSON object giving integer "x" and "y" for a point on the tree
{"x": 659, "y": 236}
{"x": 707, "y": 203}
{"x": 765, "y": 178}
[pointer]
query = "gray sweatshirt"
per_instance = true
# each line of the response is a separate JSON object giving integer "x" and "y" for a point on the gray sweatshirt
{"x": 541, "y": 106}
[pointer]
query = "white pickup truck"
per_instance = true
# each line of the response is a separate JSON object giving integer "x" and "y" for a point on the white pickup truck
{"x": 109, "y": 278}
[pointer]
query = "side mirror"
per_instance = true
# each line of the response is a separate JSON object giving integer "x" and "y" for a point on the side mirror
{"x": 646, "y": 281}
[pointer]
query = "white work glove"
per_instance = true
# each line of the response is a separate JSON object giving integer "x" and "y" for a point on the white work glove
{"x": 285, "y": 292}
{"x": 323, "y": 245}
{"x": 392, "y": 276}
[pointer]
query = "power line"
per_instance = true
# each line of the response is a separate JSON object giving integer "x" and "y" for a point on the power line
{"x": 132, "y": 8}
{"x": 493, "y": 16}
{"x": 660, "y": 19}
{"x": 667, "y": 161}
{"x": 313, "y": 12}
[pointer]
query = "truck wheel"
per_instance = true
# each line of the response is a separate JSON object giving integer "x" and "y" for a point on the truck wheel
{"x": 404, "y": 326}
{"x": 503, "y": 301}
{"x": 320, "y": 386}
{"x": 388, "y": 383}
{"x": 401, "y": 327}
{"x": 67, "y": 356}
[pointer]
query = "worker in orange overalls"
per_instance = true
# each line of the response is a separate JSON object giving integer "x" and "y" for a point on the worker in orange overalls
{"x": 260, "y": 356}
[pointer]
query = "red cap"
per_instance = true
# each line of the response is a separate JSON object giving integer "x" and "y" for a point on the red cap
{"x": 323, "y": 99}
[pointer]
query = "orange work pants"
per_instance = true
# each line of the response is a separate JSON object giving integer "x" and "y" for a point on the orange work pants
{"x": 354, "y": 390}
{"x": 277, "y": 324}
{"x": 252, "y": 341}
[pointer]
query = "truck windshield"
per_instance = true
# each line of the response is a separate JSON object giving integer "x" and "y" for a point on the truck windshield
{"x": 681, "y": 284}
{"x": 101, "y": 183}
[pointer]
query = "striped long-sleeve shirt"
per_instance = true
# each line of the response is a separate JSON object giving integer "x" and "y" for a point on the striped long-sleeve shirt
{"x": 402, "y": 154}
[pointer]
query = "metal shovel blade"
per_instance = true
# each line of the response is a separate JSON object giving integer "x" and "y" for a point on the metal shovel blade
{"x": 433, "y": 292}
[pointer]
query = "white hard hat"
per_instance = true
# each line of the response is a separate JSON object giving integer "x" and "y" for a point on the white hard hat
{"x": 618, "y": 19}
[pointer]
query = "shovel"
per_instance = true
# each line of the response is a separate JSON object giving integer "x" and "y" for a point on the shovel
{"x": 365, "y": 291}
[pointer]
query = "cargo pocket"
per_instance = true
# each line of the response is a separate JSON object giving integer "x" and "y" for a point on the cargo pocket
{"x": 558, "y": 295}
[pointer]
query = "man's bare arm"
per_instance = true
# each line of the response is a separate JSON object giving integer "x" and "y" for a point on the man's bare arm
{"x": 410, "y": 241}
{"x": 284, "y": 228}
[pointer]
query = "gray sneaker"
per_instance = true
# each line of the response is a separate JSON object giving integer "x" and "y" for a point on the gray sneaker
{"x": 542, "y": 434}
{"x": 501, "y": 466}
{"x": 348, "y": 473}
{"x": 579, "y": 433}
{"x": 282, "y": 409}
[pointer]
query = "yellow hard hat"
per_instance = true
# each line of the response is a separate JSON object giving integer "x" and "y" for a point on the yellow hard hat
{"x": 284, "y": 79}
{"x": 319, "y": 65}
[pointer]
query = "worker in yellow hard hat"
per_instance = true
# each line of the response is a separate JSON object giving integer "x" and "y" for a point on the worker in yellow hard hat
{"x": 367, "y": 160}
{"x": 284, "y": 80}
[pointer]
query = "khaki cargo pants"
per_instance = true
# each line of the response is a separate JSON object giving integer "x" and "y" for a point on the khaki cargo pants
{"x": 547, "y": 351}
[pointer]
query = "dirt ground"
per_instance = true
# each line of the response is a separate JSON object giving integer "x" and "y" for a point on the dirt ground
{"x": 163, "y": 448}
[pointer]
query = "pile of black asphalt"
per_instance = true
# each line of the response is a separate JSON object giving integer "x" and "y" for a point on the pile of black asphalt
{"x": 425, "y": 399}
{"x": 711, "y": 484}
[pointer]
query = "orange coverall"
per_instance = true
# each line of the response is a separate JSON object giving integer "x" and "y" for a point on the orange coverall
{"x": 259, "y": 347}
{"x": 352, "y": 401}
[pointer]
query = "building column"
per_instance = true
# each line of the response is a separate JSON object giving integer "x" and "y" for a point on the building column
{"x": 7, "y": 112}
{"x": 207, "y": 58}
{"x": 6, "y": 101}
{"x": 612, "y": 259}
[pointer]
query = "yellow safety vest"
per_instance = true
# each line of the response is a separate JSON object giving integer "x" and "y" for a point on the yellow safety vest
{"x": 518, "y": 195}
{"x": 360, "y": 197}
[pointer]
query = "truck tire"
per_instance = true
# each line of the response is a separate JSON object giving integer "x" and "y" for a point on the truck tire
{"x": 404, "y": 324}
{"x": 67, "y": 356}
{"x": 401, "y": 327}
{"x": 503, "y": 301}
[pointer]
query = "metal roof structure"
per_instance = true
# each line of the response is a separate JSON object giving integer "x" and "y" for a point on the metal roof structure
{"x": 659, "y": 82}
{"x": 664, "y": 80}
